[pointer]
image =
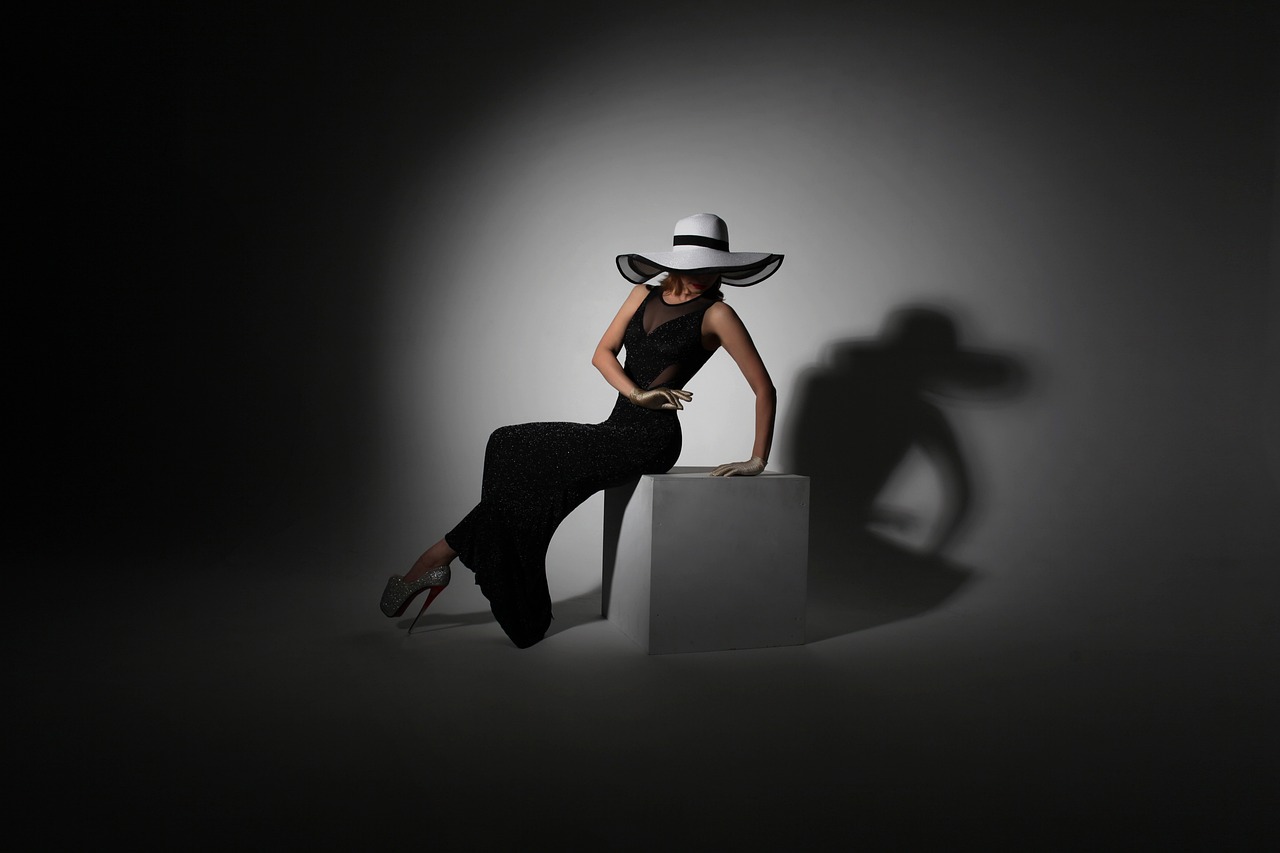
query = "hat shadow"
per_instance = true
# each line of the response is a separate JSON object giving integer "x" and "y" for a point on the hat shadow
{"x": 855, "y": 417}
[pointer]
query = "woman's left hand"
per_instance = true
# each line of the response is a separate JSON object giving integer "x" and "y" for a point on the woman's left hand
{"x": 750, "y": 468}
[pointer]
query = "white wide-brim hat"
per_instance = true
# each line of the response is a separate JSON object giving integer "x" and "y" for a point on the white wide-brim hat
{"x": 701, "y": 245}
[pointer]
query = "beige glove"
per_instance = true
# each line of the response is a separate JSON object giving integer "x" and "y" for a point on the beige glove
{"x": 660, "y": 398}
{"x": 750, "y": 468}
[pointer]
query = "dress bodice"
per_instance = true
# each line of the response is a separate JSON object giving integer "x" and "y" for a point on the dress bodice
{"x": 664, "y": 341}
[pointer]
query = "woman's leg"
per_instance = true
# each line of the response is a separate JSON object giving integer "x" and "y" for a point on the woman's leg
{"x": 439, "y": 554}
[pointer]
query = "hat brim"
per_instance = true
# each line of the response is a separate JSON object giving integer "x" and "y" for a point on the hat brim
{"x": 739, "y": 269}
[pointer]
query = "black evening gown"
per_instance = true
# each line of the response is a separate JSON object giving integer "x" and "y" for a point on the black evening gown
{"x": 536, "y": 474}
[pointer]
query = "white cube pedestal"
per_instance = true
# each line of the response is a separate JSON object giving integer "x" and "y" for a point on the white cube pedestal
{"x": 695, "y": 563}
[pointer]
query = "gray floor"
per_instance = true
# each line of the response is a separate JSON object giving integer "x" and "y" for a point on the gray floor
{"x": 261, "y": 700}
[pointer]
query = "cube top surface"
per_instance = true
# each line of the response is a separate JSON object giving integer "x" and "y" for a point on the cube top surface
{"x": 689, "y": 472}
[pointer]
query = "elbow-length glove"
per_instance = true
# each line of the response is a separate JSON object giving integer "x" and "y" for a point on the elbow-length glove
{"x": 750, "y": 468}
{"x": 660, "y": 398}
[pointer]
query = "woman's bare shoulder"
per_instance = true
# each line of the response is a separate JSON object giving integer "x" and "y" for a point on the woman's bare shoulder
{"x": 632, "y": 303}
{"x": 638, "y": 293}
{"x": 722, "y": 312}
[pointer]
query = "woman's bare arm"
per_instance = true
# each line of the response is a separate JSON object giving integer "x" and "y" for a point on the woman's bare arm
{"x": 605, "y": 358}
{"x": 723, "y": 324}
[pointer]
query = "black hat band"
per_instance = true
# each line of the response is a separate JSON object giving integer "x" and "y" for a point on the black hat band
{"x": 699, "y": 240}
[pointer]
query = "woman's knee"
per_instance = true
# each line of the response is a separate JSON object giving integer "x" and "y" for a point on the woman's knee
{"x": 503, "y": 437}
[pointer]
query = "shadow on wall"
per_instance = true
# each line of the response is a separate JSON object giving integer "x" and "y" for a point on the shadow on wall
{"x": 853, "y": 421}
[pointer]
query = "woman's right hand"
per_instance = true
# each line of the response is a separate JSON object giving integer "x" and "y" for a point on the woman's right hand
{"x": 660, "y": 398}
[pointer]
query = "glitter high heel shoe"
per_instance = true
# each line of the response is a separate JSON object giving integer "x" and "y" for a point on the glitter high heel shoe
{"x": 398, "y": 594}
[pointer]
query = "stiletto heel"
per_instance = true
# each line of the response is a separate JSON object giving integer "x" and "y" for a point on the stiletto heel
{"x": 431, "y": 596}
{"x": 398, "y": 594}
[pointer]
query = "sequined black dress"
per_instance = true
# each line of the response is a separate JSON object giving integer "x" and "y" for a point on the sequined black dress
{"x": 536, "y": 474}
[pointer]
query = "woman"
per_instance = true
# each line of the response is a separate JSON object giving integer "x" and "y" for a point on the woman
{"x": 536, "y": 474}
